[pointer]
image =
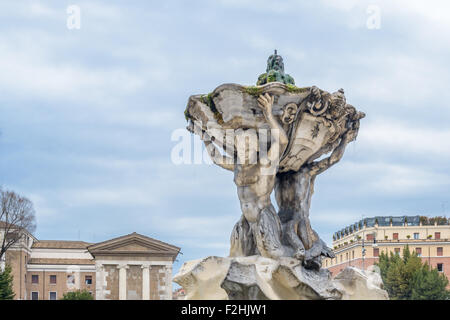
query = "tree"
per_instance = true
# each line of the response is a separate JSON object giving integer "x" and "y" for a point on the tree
{"x": 16, "y": 218}
{"x": 406, "y": 278}
{"x": 6, "y": 284}
{"x": 429, "y": 285}
{"x": 78, "y": 295}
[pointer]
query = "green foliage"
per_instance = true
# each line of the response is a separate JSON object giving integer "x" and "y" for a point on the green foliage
{"x": 294, "y": 89}
{"x": 430, "y": 285}
{"x": 262, "y": 79}
{"x": 253, "y": 90}
{"x": 208, "y": 100}
{"x": 78, "y": 295}
{"x": 6, "y": 284}
{"x": 430, "y": 221}
{"x": 438, "y": 220}
{"x": 406, "y": 278}
{"x": 272, "y": 76}
{"x": 187, "y": 116}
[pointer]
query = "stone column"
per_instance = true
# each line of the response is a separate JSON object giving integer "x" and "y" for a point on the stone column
{"x": 145, "y": 282}
{"x": 169, "y": 282}
{"x": 99, "y": 282}
{"x": 123, "y": 281}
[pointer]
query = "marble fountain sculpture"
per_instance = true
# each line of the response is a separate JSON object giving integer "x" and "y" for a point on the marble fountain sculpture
{"x": 274, "y": 137}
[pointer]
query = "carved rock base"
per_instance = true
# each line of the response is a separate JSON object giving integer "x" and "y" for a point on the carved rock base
{"x": 258, "y": 278}
{"x": 361, "y": 285}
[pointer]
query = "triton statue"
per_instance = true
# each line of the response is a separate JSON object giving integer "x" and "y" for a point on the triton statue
{"x": 275, "y": 137}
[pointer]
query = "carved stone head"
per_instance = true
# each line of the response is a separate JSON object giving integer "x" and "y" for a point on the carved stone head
{"x": 337, "y": 104}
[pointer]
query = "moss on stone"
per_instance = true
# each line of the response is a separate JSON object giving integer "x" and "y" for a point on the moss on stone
{"x": 294, "y": 89}
{"x": 208, "y": 100}
{"x": 262, "y": 79}
{"x": 187, "y": 115}
{"x": 254, "y": 91}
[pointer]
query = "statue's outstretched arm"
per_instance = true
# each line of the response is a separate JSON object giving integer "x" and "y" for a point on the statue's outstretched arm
{"x": 279, "y": 144}
{"x": 317, "y": 167}
{"x": 219, "y": 159}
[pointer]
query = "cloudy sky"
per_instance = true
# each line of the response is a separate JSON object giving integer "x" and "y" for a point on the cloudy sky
{"x": 87, "y": 115}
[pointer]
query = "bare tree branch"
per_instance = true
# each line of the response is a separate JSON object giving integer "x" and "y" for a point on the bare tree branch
{"x": 17, "y": 217}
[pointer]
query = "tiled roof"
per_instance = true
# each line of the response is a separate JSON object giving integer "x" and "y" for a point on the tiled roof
{"x": 59, "y": 244}
{"x": 381, "y": 220}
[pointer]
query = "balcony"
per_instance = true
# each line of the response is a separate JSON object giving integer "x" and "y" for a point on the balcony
{"x": 370, "y": 242}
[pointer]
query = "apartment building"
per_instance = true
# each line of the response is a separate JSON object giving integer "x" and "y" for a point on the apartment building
{"x": 361, "y": 243}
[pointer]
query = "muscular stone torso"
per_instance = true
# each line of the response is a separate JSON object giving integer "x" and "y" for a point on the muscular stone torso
{"x": 254, "y": 189}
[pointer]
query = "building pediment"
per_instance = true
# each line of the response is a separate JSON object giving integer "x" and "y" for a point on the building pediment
{"x": 134, "y": 244}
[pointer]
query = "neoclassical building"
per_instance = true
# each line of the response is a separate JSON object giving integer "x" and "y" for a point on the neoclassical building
{"x": 131, "y": 267}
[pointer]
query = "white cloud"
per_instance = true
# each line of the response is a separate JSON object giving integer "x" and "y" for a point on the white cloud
{"x": 151, "y": 118}
{"x": 25, "y": 71}
{"x": 41, "y": 206}
{"x": 392, "y": 180}
{"x": 39, "y": 9}
{"x": 397, "y": 137}
{"x": 335, "y": 217}
{"x": 91, "y": 196}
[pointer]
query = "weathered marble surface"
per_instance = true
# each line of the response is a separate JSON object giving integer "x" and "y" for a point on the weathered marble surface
{"x": 314, "y": 123}
{"x": 361, "y": 285}
{"x": 259, "y": 278}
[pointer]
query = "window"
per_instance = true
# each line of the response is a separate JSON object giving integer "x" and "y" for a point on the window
{"x": 34, "y": 279}
{"x": 52, "y": 295}
{"x": 440, "y": 267}
{"x": 395, "y": 236}
{"x": 346, "y": 256}
{"x": 440, "y": 251}
{"x": 52, "y": 279}
{"x": 369, "y": 237}
{"x": 353, "y": 254}
{"x": 34, "y": 295}
{"x": 341, "y": 257}
{"x": 326, "y": 265}
{"x": 397, "y": 250}
{"x": 437, "y": 235}
{"x": 376, "y": 252}
{"x": 88, "y": 279}
{"x": 419, "y": 252}
{"x": 416, "y": 236}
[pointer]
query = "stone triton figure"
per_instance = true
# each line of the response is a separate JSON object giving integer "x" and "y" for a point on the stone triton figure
{"x": 293, "y": 192}
{"x": 258, "y": 232}
{"x": 294, "y": 189}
